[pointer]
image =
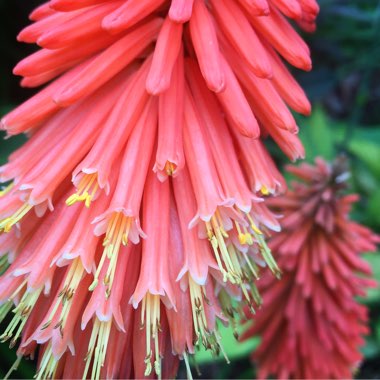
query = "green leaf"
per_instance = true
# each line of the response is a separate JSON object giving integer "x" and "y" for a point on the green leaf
{"x": 373, "y": 295}
{"x": 368, "y": 150}
{"x": 318, "y": 136}
{"x": 8, "y": 146}
{"x": 373, "y": 207}
{"x": 371, "y": 348}
{"x": 233, "y": 349}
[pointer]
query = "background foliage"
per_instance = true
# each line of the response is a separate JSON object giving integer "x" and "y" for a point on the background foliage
{"x": 345, "y": 89}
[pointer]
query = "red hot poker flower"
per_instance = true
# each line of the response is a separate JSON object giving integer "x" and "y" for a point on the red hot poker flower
{"x": 311, "y": 323}
{"x": 105, "y": 250}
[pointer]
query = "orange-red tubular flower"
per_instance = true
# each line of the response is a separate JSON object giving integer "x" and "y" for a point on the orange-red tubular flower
{"x": 136, "y": 212}
{"x": 311, "y": 322}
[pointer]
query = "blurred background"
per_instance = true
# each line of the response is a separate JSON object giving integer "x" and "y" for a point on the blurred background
{"x": 344, "y": 87}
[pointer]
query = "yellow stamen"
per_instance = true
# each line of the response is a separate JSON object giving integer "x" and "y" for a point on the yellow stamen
{"x": 5, "y": 190}
{"x": 253, "y": 225}
{"x": 248, "y": 236}
{"x": 150, "y": 318}
{"x": 251, "y": 265}
{"x": 14, "y": 367}
{"x": 223, "y": 249}
{"x": 203, "y": 334}
{"x": 7, "y": 223}
{"x": 220, "y": 346}
{"x": 86, "y": 191}
{"x": 220, "y": 222}
{"x": 117, "y": 233}
{"x": 267, "y": 255}
{"x": 264, "y": 190}
{"x": 188, "y": 369}
{"x": 48, "y": 365}
{"x": 241, "y": 236}
{"x": 170, "y": 168}
{"x": 235, "y": 264}
{"x": 65, "y": 296}
{"x": 242, "y": 277}
{"x": 22, "y": 312}
{"x": 199, "y": 316}
{"x": 97, "y": 348}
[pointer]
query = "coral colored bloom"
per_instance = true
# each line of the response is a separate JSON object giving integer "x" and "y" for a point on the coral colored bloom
{"x": 311, "y": 323}
{"x": 136, "y": 210}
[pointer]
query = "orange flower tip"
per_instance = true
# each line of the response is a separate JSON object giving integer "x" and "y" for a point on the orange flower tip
{"x": 20, "y": 37}
{"x": 7, "y": 223}
{"x": 65, "y": 98}
{"x": 305, "y": 109}
{"x": 307, "y": 65}
{"x": 115, "y": 24}
{"x": 257, "y": 8}
{"x": 180, "y": 10}
{"x": 252, "y": 133}
{"x": 43, "y": 41}
{"x": 179, "y": 17}
{"x": 155, "y": 86}
{"x": 217, "y": 87}
{"x": 17, "y": 69}
{"x": 86, "y": 190}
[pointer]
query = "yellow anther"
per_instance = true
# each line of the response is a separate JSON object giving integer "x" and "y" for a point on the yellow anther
{"x": 199, "y": 316}
{"x": 222, "y": 247}
{"x": 97, "y": 348}
{"x": 117, "y": 233}
{"x": 253, "y": 224}
{"x": 7, "y": 223}
{"x": 86, "y": 191}
{"x": 73, "y": 278}
{"x": 264, "y": 190}
{"x": 150, "y": 318}
{"x": 257, "y": 230}
{"x": 48, "y": 365}
{"x": 170, "y": 168}
{"x": 242, "y": 239}
{"x": 220, "y": 222}
{"x": 267, "y": 255}
{"x": 248, "y": 236}
{"x": 22, "y": 313}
